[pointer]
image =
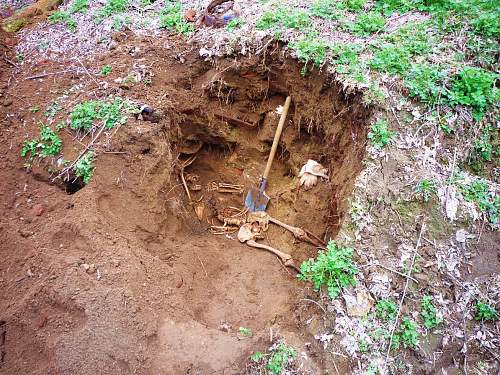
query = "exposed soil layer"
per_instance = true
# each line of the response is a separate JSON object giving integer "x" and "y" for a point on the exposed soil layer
{"x": 120, "y": 276}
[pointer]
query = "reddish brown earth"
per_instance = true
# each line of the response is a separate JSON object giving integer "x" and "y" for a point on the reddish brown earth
{"x": 121, "y": 277}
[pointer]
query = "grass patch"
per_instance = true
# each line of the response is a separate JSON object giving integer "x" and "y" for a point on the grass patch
{"x": 426, "y": 83}
{"x": 391, "y": 59}
{"x": 79, "y": 6}
{"x": 234, "y": 24}
{"x": 487, "y": 199}
{"x": 280, "y": 357}
{"x": 310, "y": 49}
{"x": 62, "y": 17}
{"x": 407, "y": 334}
{"x": 106, "y": 70}
{"x": 426, "y": 189}
{"x": 285, "y": 17}
{"x": 333, "y": 269}
{"x": 367, "y": 23}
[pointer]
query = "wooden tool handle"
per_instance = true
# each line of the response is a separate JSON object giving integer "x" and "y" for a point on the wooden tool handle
{"x": 277, "y": 136}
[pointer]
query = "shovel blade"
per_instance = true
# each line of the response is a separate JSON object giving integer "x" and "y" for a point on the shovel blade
{"x": 256, "y": 200}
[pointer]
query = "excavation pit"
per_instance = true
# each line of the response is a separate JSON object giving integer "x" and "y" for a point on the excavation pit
{"x": 229, "y": 132}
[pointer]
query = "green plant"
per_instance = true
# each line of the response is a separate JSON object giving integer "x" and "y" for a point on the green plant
{"x": 415, "y": 38}
{"x": 280, "y": 357}
{"x": 408, "y": 332}
{"x": 310, "y": 49}
{"x": 112, "y": 7}
{"x": 110, "y": 113}
{"x": 485, "y": 312}
{"x": 171, "y": 18}
{"x": 245, "y": 332}
{"x": 52, "y": 109}
{"x": 426, "y": 188}
{"x": 391, "y": 59}
{"x": 84, "y": 167}
{"x": 380, "y": 135}
{"x": 429, "y": 313}
{"x": 234, "y": 24}
{"x": 106, "y": 69}
{"x": 474, "y": 87}
{"x": 367, "y": 23}
{"x": 83, "y": 115}
{"x": 257, "y": 356}
{"x": 478, "y": 192}
{"x": 289, "y": 18}
{"x": 386, "y": 309}
{"x": 333, "y": 268}
{"x": 487, "y": 24}
{"x": 62, "y": 17}
{"x": 327, "y": 9}
{"x": 79, "y": 6}
{"x": 47, "y": 144}
{"x": 483, "y": 146}
{"x": 34, "y": 109}
{"x": 426, "y": 82}
{"x": 119, "y": 22}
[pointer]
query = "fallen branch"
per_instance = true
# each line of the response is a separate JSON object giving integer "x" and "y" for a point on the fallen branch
{"x": 404, "y": 291}
{"x": 392, "y": 270}
{"x": 89, "y": 145}
{"x": 52, "y": 73}
{"x": 86, "y": 71}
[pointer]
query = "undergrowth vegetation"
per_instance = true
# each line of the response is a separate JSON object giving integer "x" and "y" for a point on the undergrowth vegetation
{"x": 333, "y": 269}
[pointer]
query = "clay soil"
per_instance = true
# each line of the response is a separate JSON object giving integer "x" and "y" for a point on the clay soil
{"x": 162, "y": 294}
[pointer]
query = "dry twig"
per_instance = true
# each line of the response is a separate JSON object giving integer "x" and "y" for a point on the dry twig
{"x": 404, "y": 291}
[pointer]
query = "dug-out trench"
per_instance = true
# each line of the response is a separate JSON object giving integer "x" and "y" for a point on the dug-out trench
{"x": 229, "y": 128}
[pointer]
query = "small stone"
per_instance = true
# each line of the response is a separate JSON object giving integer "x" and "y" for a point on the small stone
{"x": 359, "y": 305}
{"x": 85, "y": 267}
{"x": 38, "y": 209}
{"x": 7, "y": 102}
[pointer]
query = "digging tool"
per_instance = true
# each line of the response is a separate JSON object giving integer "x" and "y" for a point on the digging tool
{"x": 256, "y": 199}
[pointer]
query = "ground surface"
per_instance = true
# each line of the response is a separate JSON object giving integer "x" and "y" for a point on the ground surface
{"x": 120, "y": 276}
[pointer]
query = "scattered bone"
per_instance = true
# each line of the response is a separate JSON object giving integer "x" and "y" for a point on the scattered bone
{"x": 247, "y": 235}
{"x": 299, "y": 233}
{"x": 259, "y": 220}
{"x": 222, "y": 187}
{"x": 310, "y": 172}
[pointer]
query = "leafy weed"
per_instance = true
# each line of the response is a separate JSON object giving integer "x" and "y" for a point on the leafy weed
{"x": 47, "y": 144}
{"x": 84, "y": 168}
{"x": 171, "y": 18}
{"x": 425, "y": 189}
{"x": 485, "y": 312}
{"x": 333, "y": 268}
{"x": 386, "y": 309}
{"x": 280, "y": 357}
{"x": 380, "y": 135}
{"x": 429, "y": 313}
